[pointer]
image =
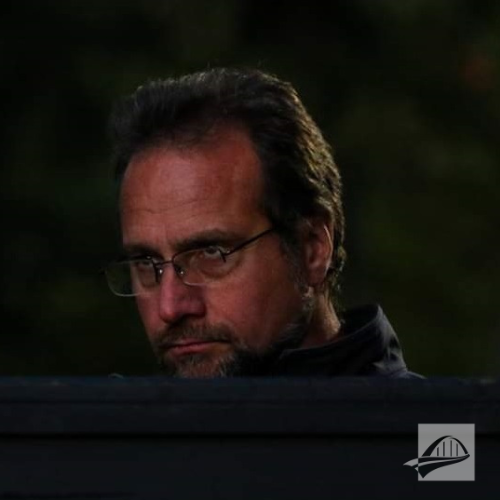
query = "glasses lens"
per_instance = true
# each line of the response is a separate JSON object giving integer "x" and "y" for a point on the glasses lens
{"x": 193, "y": 267}
{"x": 118, "y": 276}
{"x": 129, "y": 278}
{"x": 203, "y": 265}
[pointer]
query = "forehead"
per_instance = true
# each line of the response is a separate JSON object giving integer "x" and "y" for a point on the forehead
{"x": 216, "y": 183}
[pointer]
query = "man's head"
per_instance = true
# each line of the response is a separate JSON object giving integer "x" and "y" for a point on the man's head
{"x": 208, "y": 161}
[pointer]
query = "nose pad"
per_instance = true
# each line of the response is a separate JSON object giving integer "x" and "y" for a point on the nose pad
{"x": 177, "y": 300}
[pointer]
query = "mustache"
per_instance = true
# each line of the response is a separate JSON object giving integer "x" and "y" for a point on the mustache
{"x": 203, "y": 333}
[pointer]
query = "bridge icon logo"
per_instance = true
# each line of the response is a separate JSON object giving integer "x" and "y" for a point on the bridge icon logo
{"x": 444, "y": 451}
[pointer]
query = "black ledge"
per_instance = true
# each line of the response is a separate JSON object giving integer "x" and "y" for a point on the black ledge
{"x": 142, "y": 406}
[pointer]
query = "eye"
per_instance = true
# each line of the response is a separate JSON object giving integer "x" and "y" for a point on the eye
{"x": 142, "y": 262}
{"x": 210, "y": 253}
{"x": 142, "y": 272}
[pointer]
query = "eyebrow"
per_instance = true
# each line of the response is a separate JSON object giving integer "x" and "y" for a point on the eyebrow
{"x": 201, "y": 239}
{"x": 206, "y": 238}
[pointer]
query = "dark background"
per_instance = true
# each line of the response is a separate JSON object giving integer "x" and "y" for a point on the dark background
{"x": 407, "y": 92}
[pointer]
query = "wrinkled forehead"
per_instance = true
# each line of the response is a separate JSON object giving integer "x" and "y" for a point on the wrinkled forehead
{"x": 221, "y": 174}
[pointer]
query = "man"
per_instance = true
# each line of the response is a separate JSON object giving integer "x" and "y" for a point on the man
{"x": 233, "y": 233}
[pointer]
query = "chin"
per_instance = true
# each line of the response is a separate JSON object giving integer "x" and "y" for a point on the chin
{"x": 201, "y": 366}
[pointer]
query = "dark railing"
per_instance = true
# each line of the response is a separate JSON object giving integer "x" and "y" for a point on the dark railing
{"x": 152, "y": 438}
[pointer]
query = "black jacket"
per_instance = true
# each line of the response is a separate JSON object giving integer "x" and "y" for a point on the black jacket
{"x": 366, "y": 345}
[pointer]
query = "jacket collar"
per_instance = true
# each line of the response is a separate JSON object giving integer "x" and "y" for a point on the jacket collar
{"x": 365, "y": 345}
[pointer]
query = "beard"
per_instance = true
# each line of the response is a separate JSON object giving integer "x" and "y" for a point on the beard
{"x": 230, "y": 355}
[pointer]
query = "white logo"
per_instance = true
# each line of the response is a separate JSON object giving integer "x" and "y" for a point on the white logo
{"x": 446, "y": 452}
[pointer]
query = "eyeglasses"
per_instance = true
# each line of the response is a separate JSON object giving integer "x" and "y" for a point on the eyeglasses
{"x": 136, "y": 276}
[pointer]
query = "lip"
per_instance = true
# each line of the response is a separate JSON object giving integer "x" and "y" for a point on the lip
{"x": 192, "y": 346}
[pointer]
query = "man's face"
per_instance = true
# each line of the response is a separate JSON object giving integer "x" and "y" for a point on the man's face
{"x": 177, "y": 199}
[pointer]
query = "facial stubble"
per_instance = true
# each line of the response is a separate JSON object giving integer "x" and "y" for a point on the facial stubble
{"x": 231, "y": 355}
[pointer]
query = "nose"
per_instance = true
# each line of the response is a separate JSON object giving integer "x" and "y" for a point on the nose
{"x": 178, "y": 300}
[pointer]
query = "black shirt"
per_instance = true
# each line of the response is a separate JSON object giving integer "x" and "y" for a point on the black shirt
{"x": 366, "y": 345}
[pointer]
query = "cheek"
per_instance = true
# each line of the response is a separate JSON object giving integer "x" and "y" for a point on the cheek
{"x": 148, "y": 311}
{"x": 258, "y": 310}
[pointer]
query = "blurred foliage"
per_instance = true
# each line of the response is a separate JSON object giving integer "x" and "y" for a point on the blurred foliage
{"x": 407, "y": 92}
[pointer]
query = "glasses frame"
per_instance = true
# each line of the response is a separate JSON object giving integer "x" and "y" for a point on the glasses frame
{"x": 158, "y": 266}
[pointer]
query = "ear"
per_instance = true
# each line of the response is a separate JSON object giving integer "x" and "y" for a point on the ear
{"x": 317, "y": 250}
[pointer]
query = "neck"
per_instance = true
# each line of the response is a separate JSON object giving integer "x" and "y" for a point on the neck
{"x": 324, "y": 325}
